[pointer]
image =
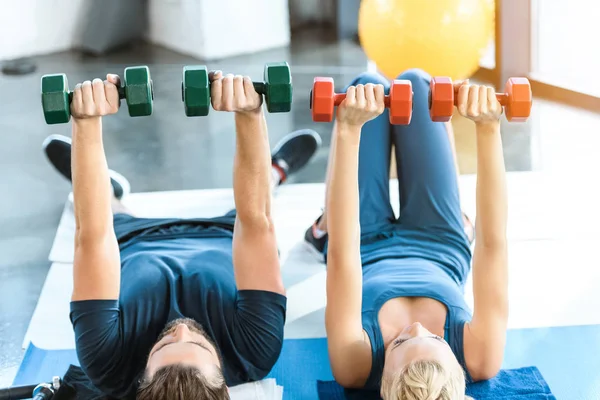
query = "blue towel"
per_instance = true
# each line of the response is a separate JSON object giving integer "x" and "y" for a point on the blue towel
{"x": 511, "y": 384}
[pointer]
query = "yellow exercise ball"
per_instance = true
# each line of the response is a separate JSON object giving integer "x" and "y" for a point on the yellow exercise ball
{"x": 442, "y": 37}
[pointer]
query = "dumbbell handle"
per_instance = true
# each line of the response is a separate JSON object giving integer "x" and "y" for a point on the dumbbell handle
{"x": 339, "y": 97}
{"x": 120, "y": 89}
{"x": 260, "y": 87}
{"x": 18, "y": 392}
{"x": 502, "y": 98}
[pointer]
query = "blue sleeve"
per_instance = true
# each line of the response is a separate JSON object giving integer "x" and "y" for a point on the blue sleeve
{"x": 98, "y": 340}
{"x": 259, "y": 322}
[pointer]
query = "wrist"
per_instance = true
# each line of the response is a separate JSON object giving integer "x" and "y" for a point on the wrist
{"x": 348, "y": 133}
{"x": 250, "y": 115}
{"x": 86, "y": 123}
{"x": 487, "y": 127}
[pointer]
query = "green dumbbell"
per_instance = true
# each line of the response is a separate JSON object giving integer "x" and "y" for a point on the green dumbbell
{"x": 136, "y": 89}
{"x": 277, "y": 89}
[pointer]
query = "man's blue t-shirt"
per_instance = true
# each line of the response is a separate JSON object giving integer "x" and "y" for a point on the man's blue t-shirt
{"x": 170, "y": 273}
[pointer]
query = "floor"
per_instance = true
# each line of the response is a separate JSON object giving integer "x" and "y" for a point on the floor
{"x": 169, "y": 151}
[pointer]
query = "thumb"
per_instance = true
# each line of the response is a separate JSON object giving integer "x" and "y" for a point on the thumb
{"x": 215, "y": 75}
{"x": 460, "y": 83}
{"x": 114, "y": 79}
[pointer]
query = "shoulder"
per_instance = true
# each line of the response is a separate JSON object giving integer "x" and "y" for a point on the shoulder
{"x": 351, "y": 364}
{"x": 256, "y": 323}
{"x": 483, "y": 351}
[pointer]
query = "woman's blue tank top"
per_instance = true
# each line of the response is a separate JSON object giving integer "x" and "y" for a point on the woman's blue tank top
{"x": 433, "y": 269}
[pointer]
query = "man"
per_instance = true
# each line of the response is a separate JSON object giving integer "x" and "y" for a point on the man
{"x": 171, "y": 308}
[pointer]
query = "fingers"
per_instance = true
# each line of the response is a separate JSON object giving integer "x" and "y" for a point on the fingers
{"x": 216, "y": 92}
{"x": 227, "y": 100}
{"x": 351, "y": 96}
{"x": 462, "y": 99}
{"x": 473, "y": 106}
{"x": 77, "y": 102}
{"x": 112, "y": 95}
{"x": 239, "y": 93}
{"x": 492, "y": 101}
{"x": 483, "y": 100}
{"x": 370, "y": 97}
{"x": 248, "y": 86}
{"x": 114, "y": 79}
{"x": 458, "y": 84}
{"x": 361, "y": 101}
{"x": 99, "y": 94}
{"x": 379, "y": 92}
{"x": 88, "y": 98}
{"x": 215, "y": 75}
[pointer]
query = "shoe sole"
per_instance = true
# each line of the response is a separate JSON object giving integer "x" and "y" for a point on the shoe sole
{"x": 295, "y": 134}
{"x": 114, "y": 175}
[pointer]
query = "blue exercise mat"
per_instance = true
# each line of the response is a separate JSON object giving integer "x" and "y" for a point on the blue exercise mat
{"x": 510, "y": 384}
{"x": 567, "y": 358}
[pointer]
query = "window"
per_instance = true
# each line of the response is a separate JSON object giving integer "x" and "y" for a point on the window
{"x": 564, "y": 44}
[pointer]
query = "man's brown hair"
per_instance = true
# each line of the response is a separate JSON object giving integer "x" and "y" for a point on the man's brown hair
{"x": 182, "y": 382}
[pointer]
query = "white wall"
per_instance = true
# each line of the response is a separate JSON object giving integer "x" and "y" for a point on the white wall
{"x": 30, "y": 27}
{"x": 211, "y": 29}
{"x": 206, "y": 29}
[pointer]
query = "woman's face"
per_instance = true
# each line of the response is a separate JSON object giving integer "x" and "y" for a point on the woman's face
{"x": 417, "y": 343}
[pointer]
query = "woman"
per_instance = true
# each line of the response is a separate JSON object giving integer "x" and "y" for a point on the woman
{"x": 396, "y": 317}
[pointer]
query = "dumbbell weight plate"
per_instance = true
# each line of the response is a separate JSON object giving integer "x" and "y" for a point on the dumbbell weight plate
{"x": 55, "y": 99}
{"x": 519, "y": 103}
{"x": 322, "y": 99}
{"x": 138, "y": 91}
{"x": 401, "y": 102}
{"x": 441, "y": 99}
{"x": 195, "y": 91}
{"x": 278, "y": 90}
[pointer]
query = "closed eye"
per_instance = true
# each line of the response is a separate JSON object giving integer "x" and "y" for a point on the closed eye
{"x": 194, "y": 343}
{"x": 398, "y": 342}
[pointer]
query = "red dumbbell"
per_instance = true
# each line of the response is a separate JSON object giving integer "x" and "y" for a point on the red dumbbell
{"x": 323, "y": 99}
{"x": 516, "y": 100}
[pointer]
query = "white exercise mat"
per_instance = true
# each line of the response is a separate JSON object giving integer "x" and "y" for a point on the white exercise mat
{"x": 540, "y": 208}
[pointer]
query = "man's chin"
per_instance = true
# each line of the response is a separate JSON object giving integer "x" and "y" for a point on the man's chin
{"x": 192, "y": 325}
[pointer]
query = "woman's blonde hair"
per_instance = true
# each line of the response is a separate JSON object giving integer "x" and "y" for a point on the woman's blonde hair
{"x": 425, "y": 380}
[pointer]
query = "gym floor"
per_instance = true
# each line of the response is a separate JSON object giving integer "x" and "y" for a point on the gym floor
{"x": 168, "y": 151}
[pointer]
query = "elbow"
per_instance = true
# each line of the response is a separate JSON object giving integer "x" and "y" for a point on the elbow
{"x": 485, "y": 372}
{"x": 91, "y": 237}
{"x": 257, "y": 222}
{"x": 492, "y": 242}
{"x": 347, "y": 380}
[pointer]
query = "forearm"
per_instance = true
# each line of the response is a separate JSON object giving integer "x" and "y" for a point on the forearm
{"x": 492, "y": 203}
{"x": 252, "y": 168}
{"x": 342, "y": 194}
{"x": 344, "y": 275}
{"x": 91, "y": 182}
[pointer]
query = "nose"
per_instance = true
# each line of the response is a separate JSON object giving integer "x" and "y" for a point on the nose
{"x": 181, "y": 331}
{"x": 414, "y": 329}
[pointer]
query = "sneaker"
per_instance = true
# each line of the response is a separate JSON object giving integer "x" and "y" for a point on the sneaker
{"x": 58, "y": 151}
{"x": 318, "y": 244}
{"x": 294, "y": 151}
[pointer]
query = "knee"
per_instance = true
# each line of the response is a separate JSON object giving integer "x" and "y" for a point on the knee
{"x": 417, "y": 77}
{"x": 370, "y": 77}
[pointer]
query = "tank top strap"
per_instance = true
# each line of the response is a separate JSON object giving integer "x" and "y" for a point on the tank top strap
{"x": 371, "y": 327}
{"x": 457, "y": 318}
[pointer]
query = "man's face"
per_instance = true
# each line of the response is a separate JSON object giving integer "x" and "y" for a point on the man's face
{"x": 183, "y": 341}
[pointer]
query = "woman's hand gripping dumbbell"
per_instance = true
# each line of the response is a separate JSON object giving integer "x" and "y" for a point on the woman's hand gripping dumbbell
{"x": 323, "y": 99}
{"x": 443, "y": 97}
